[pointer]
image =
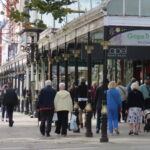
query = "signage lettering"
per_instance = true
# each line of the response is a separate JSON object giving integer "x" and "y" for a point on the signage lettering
{"x": 138, "y": 37}
{"x": 132, "y": 38}
{"x": 117, "y": 52}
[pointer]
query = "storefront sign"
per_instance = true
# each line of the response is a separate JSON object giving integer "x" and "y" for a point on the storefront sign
{"x": 129, "y": 52}
{"x": 132, "y": 38}
{"x": 119, "y": 52}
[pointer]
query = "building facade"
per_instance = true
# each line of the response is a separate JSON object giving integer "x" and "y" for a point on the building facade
{"x": 34, "y": 56}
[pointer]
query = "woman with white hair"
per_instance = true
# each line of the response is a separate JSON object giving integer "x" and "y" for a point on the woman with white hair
{"x": 63, "y": 105}
{"x": 135, "y": 104}
{"x": 114, "y": 103}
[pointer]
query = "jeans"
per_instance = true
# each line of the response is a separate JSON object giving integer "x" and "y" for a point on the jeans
{"x": 112, "y": 119}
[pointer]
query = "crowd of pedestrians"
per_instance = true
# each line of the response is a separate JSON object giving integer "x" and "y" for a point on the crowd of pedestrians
{"x": 124, "y": 104}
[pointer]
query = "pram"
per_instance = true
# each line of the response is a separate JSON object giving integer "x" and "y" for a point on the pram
{"x": 147, "y": 120}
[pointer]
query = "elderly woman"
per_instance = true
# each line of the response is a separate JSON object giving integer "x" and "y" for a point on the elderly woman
{"x": 63, "y": 105}
{"x": 135, "y": 104}
{"x": 114, "y": 103}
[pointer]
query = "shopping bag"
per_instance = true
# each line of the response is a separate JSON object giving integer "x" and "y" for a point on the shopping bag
{"x": 55, "y": 117}
{"x": 73, "y": 124}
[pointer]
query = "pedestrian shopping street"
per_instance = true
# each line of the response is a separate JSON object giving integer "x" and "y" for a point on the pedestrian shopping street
{"x": 25, "y": 135}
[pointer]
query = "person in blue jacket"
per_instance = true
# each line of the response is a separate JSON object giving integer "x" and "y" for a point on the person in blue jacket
{"x": 114, "y": 103}
{"x": 46, "y": 107}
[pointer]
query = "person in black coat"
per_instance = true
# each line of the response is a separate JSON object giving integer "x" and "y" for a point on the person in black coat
{"x": 3, "y": 108}
{"x": 10, "y": 101}
{"x": 135, "y": 104}
{"x": 82, "y": 93}
{"x": 46, "y": 107}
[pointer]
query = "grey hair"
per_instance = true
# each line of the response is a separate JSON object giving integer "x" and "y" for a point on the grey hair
{"x": 62, "y": 85}
{"x": 135, "y": 86}
{"x": 48, "y": 82}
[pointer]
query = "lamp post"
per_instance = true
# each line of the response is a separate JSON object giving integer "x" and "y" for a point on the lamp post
{"x": 57, "y": 59}
{"x": 42, "y": 68}
{"x": 89, "y": 49}
{"x": 76, "y": 54}
{"x": 104, "y": 137}
{"x": 50, "y": 61}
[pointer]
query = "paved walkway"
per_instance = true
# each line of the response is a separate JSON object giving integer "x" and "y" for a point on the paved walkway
{"x": 25, "y": 136}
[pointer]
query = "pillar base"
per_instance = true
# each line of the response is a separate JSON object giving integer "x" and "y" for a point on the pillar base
{"x": 88, "y": 124}
{"x": 104, "y": 140}
{"x": 89, "y": 134}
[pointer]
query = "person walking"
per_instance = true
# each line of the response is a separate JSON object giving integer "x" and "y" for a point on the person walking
{"x": 114, "y": 103}
{"x": 123, "y": 92}
{"x": 98, "y": 98}
{"x": 63, "y": 105}
{"x": 3, "y": 108}
{"x": 93, "y": 96}
{"x": 10, "y": 101}
{"x": 82, "y": 93}
{"x": 145, "y": 89}
{"x": 135, "y": 104}
{"x": 46, "y": 107}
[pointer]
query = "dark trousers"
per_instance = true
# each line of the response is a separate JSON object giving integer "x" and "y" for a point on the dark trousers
{"x": 46, "y": 121}
{"x": 4, "y": 110}
{"x": 98, "y": 119}
{"x": 62, "y": 123}
{"x": 147, "y": 103}
{"x": 10, "y": 109}
{"x": 124, "y": 108}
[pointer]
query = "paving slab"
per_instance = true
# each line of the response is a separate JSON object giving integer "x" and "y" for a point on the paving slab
{"x": 25, "y": 135}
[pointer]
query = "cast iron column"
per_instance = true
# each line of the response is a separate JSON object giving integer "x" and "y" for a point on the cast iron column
{"x": 116, "y": 71}
{"x": 76, "y": 54}
{"x": 143, "y": 71}
{"x": 15, "y": 77}
{"x": 57, "y": 61}
{"x": 89, "y": 113}
{"x": 105, "y": 44}
{"x": 66, "y": 56}
{"x": 51, "y": 69}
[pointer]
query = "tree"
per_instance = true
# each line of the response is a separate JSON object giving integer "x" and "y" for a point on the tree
{"x": 58, "y": 9}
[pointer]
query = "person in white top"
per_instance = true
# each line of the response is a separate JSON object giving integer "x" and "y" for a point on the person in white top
{"x": 63, "y": 105}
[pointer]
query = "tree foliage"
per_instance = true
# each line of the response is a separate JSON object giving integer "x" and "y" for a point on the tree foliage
{"x": 58, "y": 9}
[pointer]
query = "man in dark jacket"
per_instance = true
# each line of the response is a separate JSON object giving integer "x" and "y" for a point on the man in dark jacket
{"x": 82, "y": 93}
{"x": 10, "y": 101}
{"x": 46, "y": 107}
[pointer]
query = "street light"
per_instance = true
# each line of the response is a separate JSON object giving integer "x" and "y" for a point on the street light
{"x": 89, "y": 48}
{"x": 57, "y": 59}
{"x": 76, "y": 54}
{"x": 104, "y": 137}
